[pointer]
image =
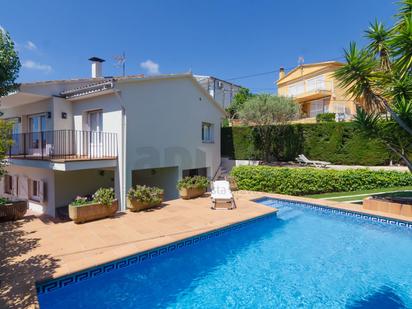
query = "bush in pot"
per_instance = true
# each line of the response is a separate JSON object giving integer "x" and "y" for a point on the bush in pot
{"x": 101, "y": 204}
{"x": 191, "y": 187}
{"x": 143, "y": 197}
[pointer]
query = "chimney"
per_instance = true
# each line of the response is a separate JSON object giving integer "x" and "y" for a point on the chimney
{"x": 281, "y": 73}
{"x": 96, "y": 67}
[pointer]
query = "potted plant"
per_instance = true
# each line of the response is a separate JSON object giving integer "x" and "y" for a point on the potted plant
{"x": 191, "y": 187}
{"x": 100, "y": 205}
{"x": 12, "y": 209}
{"x": 144, "y": 197}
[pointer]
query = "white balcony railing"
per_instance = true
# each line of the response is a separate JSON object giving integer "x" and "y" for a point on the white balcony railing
{"x": 308, "y": 87}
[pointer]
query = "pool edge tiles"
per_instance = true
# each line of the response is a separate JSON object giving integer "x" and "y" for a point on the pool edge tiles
{"x": 341, "y": 211}
{"x": 50, "y": 285}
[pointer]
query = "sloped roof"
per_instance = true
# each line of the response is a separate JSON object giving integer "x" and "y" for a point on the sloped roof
{"x": 322, "y": 65}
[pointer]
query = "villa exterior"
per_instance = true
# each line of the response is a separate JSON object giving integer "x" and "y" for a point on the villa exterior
{"x": 73, "y": 136}
{"x": 314, "y": 87}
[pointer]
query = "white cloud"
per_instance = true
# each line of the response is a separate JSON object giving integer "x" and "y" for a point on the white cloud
{"x": 32, "y": 65}
{"x": 30, "y": 45}
{"x": 150, "y": 66}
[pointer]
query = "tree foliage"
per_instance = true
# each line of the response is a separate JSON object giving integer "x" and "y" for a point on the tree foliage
{"x": 9, "y": 69}
{"x": 379, "y": 76}
{"x": 238, "y": 101}
{"x": 9, "y": 64}
{"x": 5, "y": 143}
{"x": 264, "y": 110}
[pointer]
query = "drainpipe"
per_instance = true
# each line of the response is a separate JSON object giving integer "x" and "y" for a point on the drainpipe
{"x": 122, "y": 162}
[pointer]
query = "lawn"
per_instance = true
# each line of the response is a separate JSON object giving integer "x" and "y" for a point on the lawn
{"x": 355, "y": 195}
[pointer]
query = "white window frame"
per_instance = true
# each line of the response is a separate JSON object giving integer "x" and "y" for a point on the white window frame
{"x": 34, "y": 183}
{"x": 316, "y": 108}
{"x": 99, "y": 119}
{"x": 316, "y": 83}
{"x": 207, "y": 132}
{"x": 296, "y": 89}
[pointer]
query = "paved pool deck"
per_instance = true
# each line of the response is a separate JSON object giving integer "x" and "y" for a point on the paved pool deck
{"x": 38, "y": 248}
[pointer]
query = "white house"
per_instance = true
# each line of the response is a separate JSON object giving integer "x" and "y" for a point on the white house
{"x": 73, "y": 136}
{"x": 222, "y": 91}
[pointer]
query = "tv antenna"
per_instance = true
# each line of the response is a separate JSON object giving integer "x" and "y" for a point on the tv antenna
{"x": 121, "y": 62}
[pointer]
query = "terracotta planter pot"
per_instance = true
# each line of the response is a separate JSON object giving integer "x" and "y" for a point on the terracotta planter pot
{"x": 136, "y": 205}
{"x": 14, "y": 210}
{"x": 89, "y": 212}
{"x": 189, "y": 193}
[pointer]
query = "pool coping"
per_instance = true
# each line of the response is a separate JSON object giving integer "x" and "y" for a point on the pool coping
{"x": 343, "y": 211}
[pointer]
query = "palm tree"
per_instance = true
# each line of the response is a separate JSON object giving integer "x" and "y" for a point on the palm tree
{"x": 379, "y": 76}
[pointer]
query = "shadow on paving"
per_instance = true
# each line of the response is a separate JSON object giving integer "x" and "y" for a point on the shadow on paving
{"x": 18, "y": 271}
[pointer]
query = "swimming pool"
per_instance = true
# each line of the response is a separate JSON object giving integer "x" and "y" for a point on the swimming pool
{"x": 304, "y": 257}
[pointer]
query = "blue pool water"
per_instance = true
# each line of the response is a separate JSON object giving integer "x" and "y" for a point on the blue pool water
{"x": 301, "y": 258}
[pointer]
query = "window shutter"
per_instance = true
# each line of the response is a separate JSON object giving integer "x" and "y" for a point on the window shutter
{"x": 15, "y": 185}
{"x": 42, "y": 191}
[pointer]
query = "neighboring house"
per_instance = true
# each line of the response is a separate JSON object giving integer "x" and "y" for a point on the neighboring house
{"x": 317, "y": 91}
{"x": 73, "y": 136}
{"x": 222, "y": 91}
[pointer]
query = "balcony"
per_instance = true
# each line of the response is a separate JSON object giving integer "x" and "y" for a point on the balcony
{"x": 64, "y": 146}
{"x": 310, "y": 90}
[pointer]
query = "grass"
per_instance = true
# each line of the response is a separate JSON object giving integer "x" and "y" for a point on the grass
{"x": 351, "y": 196}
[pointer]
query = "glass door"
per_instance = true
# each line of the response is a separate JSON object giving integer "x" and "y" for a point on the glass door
{"x": 37, "y": 140}
{"x": 95, "y": 121}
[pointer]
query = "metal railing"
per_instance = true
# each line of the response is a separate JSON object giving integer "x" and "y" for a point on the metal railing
{"x": 64, "y": 145}
{"x": 308, "y": 86}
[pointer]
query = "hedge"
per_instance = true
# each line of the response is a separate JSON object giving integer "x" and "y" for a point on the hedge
{"x": 339, "y": 143}
{"x": 302, "y": 181}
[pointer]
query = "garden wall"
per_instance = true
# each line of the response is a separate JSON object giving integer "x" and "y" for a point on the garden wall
{"x": 339, "y": 143}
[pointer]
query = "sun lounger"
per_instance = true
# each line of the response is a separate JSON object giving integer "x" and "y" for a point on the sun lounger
{"x": 222, "y": 196}
{"x": 302, "y": 159}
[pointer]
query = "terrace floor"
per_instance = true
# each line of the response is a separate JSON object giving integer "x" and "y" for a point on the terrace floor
{"x": 37, "y": 248}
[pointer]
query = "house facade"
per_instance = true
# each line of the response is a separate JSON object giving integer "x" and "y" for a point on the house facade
{"x": 314, "y": 87}
{"x": 73, "y": 136}
{"x": 222, "y": 91}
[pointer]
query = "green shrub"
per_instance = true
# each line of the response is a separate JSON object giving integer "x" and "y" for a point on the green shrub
{"x": 339, "y": 143}
{"x": 3, "y": 201}
{"x": 302, "y": 181}
{"x": 104, "y": 196}
{"x": 198, "y": 182}
{"x": 326, "y": 117}
{"x": 145, "y": 194}
{"x": 81, "y": 200}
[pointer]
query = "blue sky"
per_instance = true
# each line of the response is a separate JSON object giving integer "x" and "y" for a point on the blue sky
{"x": 224, "y": 38}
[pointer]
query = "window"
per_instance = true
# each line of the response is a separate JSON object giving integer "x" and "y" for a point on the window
{"x": 37, "y": 124}
{"x": 8, "y": 184}
{"x": 207, "y": 132}
{"x": 296, "y": 89}
{"x": 316, "y": 107}
{"x": 316, "y": 83}
{"x": 95, "y": 120}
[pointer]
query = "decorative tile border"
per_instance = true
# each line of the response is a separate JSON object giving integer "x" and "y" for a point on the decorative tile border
{"x": 58, "y": 283}
{"x": 344, "y": 212}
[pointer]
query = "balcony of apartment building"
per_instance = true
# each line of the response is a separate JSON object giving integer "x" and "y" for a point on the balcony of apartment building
{"x": 311, "y": 89}
{"x": 61, "y": 147}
